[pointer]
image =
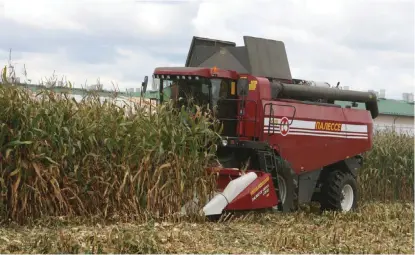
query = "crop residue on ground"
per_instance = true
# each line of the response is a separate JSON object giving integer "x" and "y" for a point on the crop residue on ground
{"x": 375, "y": 228}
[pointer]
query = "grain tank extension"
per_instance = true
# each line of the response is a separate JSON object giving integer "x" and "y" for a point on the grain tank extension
{"x": 298, "y": 144}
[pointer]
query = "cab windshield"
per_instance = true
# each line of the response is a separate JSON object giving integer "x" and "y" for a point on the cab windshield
{"x": 203, "y": 91}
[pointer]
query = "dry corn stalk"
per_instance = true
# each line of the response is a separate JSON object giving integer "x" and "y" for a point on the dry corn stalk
{"x": 93, "y": 158}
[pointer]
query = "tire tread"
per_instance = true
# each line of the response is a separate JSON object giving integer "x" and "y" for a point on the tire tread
{"x": 331, "y": 191}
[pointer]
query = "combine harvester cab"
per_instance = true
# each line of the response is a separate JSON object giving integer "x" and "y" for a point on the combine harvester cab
{"x": 300, "y": 146}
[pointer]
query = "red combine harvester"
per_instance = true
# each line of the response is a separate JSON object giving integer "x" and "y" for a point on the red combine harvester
{"x": 300, "y": 146}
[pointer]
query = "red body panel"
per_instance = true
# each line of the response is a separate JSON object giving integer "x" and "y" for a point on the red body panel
{"x": 251, "y": 123}
{"x": 258, "y": 195}
{"x": 306, "y": 145}
{"x": 318, "y": 135}
{"x": 224, "y": 177}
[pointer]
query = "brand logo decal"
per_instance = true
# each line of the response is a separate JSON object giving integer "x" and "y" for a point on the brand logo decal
{"x": 328, "y": 126}
{"x": 284, "y": 126}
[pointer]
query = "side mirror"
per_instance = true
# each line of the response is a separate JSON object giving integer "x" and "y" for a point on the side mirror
{"x": 242, "y": 87}
{"x": 144, "y": 85}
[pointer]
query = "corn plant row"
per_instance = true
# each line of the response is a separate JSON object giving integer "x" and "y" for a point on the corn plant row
{"x": 92, "y": 158}
{"x": 388, "y": 172}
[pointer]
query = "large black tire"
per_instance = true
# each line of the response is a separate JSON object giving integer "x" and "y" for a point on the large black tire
{"x": 287, "y": 186}
{"x": 332, "y": 195}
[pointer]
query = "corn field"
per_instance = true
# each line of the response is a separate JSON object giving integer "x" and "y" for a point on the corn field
{"x": 62, "y": 157}
{"x": 92, "y": 158}
{"x": 388, "y": 172}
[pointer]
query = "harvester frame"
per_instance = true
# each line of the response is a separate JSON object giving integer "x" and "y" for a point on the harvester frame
{"x": 270, "y": 114}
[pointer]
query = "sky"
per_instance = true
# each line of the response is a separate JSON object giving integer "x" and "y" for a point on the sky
{"x": 364, "y": 44}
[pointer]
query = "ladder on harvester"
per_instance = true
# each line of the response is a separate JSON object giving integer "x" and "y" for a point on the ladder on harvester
{"x": 268, "y": 160}
{"x": 269, "y": 165}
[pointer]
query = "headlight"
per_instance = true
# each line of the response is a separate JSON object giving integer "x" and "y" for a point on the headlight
{"x": 224, "y": 142}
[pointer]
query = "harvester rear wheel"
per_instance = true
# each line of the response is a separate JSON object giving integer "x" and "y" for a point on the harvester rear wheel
{"x": 339, "y": 192}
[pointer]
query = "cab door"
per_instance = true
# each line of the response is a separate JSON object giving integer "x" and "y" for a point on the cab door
{"x": 225, "y": 104}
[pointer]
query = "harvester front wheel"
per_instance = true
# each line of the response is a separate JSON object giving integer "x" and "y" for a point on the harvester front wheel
{"x": 286, "y": 190}
{"x": 339, "y": 192}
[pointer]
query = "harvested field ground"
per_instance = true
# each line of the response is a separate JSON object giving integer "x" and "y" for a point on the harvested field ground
{"x": 375, "y": 228}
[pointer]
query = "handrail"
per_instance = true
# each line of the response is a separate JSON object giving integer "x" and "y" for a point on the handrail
{"x": 271, "y": 114}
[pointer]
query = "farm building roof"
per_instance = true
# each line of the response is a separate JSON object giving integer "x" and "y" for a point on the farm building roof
{"x": 388, "y": 107}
